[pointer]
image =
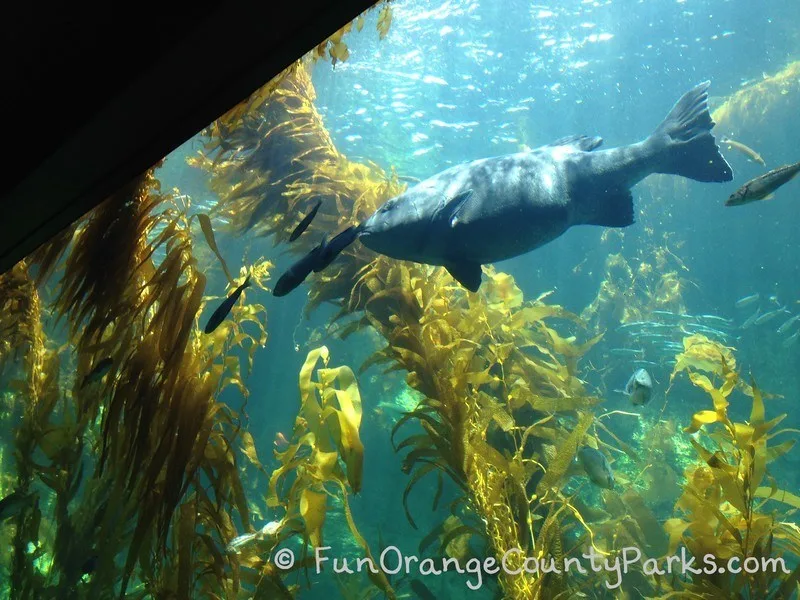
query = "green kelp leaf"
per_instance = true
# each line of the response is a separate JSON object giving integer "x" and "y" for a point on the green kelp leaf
{"x": 349, "y": 414}
{"x": 774, "y": 452}
{"x": 564, "y": 455}
{"x": 418, "y": 474}
{"x": 312, "y": 509}
{"x": 431, "y": 537}
{"x": 724, "y": 474}
{"x": 208, "y": 232}
{"x": 439, "y": 488}
{"x": 455, "y": 533}
{"x": 567, "y": 404}
{"x": 757, "y": 412}
{"x": 779, "y": 495}
{"x": 675, "y": 529}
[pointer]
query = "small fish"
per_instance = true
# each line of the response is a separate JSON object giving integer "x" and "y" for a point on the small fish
{"x": 761, "y": 188}
{"x": 716, "y": 319}
{"x": 626, "y": 351}
{"x": 13, "y": 504}
{"x": 752, "y": 318}
{"x": 664, "y": 313}
{"x": 270, "y": 530}
{"x": 303, "y": 225}
{"x": 694, "y": 328}
{"x": 421, "y": 590}
{"x": 787, "y": 325}
{"x": 652, "y": 336}
{"x": 746, "y": 150}
{"x": 223, "y": 309}
{"x": 768, "y": 316}
{"x": 596, "y": 466}
{"x": 297, "y": 273}
{"x": 747, "y": 300}
{"x": 673, "y": 347}
{"x": 332, "y": 249}
{"x": 316, "y": 260}
{"x": 639, "y": 387}
{"x": 791, "y": 339}
{"x": 97, "y": 373}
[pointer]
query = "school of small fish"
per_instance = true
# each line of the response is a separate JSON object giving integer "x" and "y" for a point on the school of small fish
{"x": 788, "y": 327}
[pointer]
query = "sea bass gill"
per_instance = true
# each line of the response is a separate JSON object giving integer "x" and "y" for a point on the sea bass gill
{"x": 497, "y": 208}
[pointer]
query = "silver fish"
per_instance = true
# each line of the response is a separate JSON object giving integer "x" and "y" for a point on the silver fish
{"x": 768, "y": 316}
{"x": 791, "y": 339}
{"x": 747, "y": 300}
{"x": 626, "y": 351}
{"x": 752, "y": 318}
{"x": 787, "y": 325}
{"x": 269, "y": 530}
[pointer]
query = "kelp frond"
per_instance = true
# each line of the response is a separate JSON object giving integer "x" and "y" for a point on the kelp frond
{"x": 724, "y": 507}
{"x": 324, "y": 460}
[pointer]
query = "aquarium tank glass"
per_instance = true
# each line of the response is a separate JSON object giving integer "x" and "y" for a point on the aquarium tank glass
{"x": 478, "y": 299}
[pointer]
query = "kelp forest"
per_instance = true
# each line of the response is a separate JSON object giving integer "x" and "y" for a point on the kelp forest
{"x": 129, "y": 466}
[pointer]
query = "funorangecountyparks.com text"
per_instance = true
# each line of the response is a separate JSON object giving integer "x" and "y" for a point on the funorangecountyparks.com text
{"x": 514, "y": 562}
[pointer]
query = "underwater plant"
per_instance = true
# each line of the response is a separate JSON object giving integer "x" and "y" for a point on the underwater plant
{"x": 630, "y": 293}
{"x": 323, "y": 463}
{"x": 488, "y": 365}
{"x": 131, "y": 470}
{"x": 726, "y": 511}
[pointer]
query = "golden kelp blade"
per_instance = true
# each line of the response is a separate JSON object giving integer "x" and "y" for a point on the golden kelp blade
{"x": 208, "y": 232}
{"x": 326, "y": 435}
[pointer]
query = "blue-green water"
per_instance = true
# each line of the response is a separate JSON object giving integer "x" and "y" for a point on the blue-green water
{"x": 456, "y": 81}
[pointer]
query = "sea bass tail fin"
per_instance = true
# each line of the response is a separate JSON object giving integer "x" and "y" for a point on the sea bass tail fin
{"x": 686, "y": 145}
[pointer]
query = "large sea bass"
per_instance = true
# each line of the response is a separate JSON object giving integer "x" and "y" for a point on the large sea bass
{"x": 496, "y": 208}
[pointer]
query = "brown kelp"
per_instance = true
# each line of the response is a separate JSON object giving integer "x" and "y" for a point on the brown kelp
{"x": 504, "y": 410}
{"x": 135, "y": 476}
{"x": 752, "y": 110}
{"x": 630, "y": 292}
{"x": 323, "y": 463}
{"x": 732, "y": 513}
{"x": 489, "y": 365}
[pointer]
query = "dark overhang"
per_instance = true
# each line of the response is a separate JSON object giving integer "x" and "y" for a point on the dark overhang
{"x": 95, "y": 95}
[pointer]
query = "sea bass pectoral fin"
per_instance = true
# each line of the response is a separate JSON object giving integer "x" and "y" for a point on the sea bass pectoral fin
{"x": 467, "y": 274}
{"x": 684, "y": 144}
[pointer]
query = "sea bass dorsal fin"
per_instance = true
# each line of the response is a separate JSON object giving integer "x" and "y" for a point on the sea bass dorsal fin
{"x": 467, "y": 274}
{"x": 584, "y": 143}
{"x": 455, "y": 206}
